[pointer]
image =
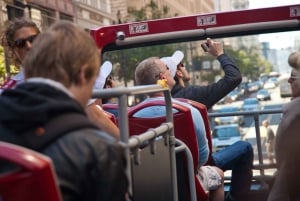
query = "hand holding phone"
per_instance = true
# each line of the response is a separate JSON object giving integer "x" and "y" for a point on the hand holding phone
{"x": 205, "y": 46}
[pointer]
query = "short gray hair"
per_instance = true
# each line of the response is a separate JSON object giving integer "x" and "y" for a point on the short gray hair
{"x": 147, "y": 72}
{"x": 294, "y": 60}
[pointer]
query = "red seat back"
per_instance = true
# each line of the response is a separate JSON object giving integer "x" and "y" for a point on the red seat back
{"x": 183, "y": 130}
{"x": 183, "y": 124}
{"x": 33, "y": 178}
{"x": 202, "y": 109}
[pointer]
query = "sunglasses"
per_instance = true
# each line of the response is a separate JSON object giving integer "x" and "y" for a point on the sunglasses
{"x": 20, "y": 43}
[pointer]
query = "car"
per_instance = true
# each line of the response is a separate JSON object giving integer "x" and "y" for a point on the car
{"x": 250, "y": 104}
{"x": 238, "y": 119}
{"x": 263, "y": 94}
{"x": 225, "y": 135}
{"x": 233, "y": 95}
{"x": 269, "y": 85}
{"x": 253, "y": 86}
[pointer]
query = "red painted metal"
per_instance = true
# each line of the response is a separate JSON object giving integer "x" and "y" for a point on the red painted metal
{"x": 106, "y": 35}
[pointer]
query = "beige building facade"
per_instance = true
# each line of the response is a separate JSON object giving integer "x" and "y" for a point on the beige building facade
{"x": 178, "y": 7}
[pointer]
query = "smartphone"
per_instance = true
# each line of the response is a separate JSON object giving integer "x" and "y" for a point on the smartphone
{"x": 205, "y": 46}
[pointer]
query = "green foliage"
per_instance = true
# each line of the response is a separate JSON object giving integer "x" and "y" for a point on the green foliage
{"x": 250, "y": 63}
{"x": 125, "y": 61}
{"x": 3, "y": 73}
{"x": 2, "y": 65}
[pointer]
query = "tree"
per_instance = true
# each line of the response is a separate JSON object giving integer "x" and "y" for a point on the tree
{"x": 126, "y": 60}
{"x": 250, "y": 63}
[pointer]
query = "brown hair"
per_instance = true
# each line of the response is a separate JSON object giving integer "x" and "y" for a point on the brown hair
{"x": 7, "y": 38}
{"x": 60, "y": 52}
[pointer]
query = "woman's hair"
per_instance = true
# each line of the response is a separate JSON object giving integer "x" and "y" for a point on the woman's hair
{"x": 7, "y": 37}
{"x": 60, "y": 52}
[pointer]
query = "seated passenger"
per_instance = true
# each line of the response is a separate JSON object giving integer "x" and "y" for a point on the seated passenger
{"x": 287, "y": 181}
{"x": 150, "y": 71}
{"x": 94, "y": 108}
{"x": 89, "y": 164}
{"x": 238, "y": 157}
{"x": 17, "y": 39}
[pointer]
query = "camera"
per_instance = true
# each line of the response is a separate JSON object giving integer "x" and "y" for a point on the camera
{"x": 205, "y": 46}
{"x": 120, "y": 35}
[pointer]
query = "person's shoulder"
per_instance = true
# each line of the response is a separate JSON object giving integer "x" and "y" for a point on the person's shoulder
{"x": 89, "y": 138}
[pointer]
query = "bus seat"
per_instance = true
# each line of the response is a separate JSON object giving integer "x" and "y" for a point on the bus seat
{"x": 183, "y": 130}
{"x": 183, "y": 124}
{"x": 202, "y": 109}
{"x": 31, "y": 176}
{"x": 111, "y": 107}
{"x": 152, "y": 182}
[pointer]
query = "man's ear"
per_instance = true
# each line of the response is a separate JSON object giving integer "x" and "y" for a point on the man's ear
{"x": 162, "y": 76}
{"x": 82, "y": 76}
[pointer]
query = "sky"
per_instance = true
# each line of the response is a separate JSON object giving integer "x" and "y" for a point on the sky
{"x": 276, "y": 39}
{"x": 271, "y": 3}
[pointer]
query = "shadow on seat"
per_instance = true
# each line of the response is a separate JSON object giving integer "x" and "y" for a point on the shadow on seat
{"x": 183, "y": 130}
{"x": 32, "y": 178}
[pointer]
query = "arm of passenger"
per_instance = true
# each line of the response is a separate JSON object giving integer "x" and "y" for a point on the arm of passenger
{"x": 232, "y": 73}
{"x": 211, "y": 94}
{"x": 201, "y": 136}
{"x": 98, "y": 117}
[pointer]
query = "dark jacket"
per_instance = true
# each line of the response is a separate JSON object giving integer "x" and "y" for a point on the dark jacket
{"x": 89, "y": 164}
{"x": 211, "y": 94}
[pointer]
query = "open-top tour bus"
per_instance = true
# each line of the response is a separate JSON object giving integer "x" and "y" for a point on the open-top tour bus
{"x": 244, "y": 34}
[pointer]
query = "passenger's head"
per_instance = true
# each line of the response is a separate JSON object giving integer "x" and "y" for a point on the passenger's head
{"x": 265, "y": 123}
{"x": 176, "y": 66}
{"x": 104, "y": 72}
{"x": 18, "y": 37}
{"x": 150, "y": 70}
{"x": 67, "y": 54}
{"x": 294, "y": 80}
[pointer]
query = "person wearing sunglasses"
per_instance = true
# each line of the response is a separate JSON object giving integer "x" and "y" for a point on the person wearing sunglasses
{"x": 287, "y": 177}
{"x": 17, "y": 40}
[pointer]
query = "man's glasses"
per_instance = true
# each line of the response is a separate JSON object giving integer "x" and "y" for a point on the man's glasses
{"x": 294, "y": 77}
{"x": 20, "y": 43}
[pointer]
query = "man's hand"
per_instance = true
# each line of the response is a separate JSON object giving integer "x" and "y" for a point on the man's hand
{"x": 214, "y": 48}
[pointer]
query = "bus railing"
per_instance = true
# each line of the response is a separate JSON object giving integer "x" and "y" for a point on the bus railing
{"x": 122, "y": 93}
{"x": 261, "y": 166}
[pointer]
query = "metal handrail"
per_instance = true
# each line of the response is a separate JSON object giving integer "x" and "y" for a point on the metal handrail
{"x": 122, "y": 94}
{"x": 255, "y": 113}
